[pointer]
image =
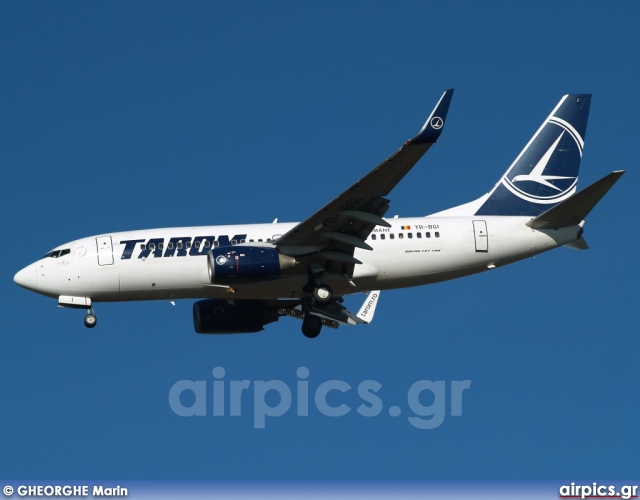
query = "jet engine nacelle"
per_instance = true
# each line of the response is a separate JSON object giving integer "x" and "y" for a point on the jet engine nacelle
{"x": 223, "y": 316}
{"x": 244, "y": 263}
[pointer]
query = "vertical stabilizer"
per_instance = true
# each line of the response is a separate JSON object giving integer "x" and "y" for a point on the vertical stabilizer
{"x": 545, "y": 173}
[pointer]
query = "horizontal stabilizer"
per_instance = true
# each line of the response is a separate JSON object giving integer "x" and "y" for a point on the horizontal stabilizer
{"x": 575, "y": 209}
{"x": 579, "y": 244}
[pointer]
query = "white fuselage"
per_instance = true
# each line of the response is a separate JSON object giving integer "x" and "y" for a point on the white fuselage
{"x": 169, "y": 263}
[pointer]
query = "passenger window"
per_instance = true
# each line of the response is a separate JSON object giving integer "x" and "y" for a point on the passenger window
{"x": 197, "y": 244}
{"x": 188, "y": 245}
{"x": 216, "y": 244}
{"x": 234, "y": 242}
{"x": 428, "y": 235}
{"x": 169, "y": 246}
{"x": 152, "y": 246}
{"x": 382, "y": 236}
{"x": 207, "y": 243}
{"x": 373, "y": 236}
{"x": 260, "y": 240}
{"x": 418, "y": 235}
{"x": 437, "y": 234}
{"x": 143, "y": 246}
{"x": 243, "y": 241}
{"x": 400, "y": 235}
{"x": 160, "y": 246}
{"x": 251, "y": 241}
{"x": 409, "y": 235}
{"x": 178, "y": 245}
{"x": 391, "y": 236}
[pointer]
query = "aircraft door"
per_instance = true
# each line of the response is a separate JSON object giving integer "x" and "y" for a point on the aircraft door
{"x": 105, "y": 250}
{"x": 481, "y": 236}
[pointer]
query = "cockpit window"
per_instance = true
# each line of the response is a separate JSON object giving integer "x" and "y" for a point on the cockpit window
{"x": 57, "y": 253}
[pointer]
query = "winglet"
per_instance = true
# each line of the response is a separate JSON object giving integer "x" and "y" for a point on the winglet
{"x": 368, "y": 308}
{"x": 432, "y": 128}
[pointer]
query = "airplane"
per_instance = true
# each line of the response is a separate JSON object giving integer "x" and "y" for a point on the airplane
{"x": 248, "y": 276}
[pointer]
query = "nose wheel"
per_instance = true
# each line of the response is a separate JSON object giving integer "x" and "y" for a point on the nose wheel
{"x": 90, "y": 319}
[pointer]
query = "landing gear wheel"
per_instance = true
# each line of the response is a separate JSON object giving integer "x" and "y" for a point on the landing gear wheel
{"x": 90, "y": 320}
{"x": 311, "y": 326}
{"x": 322, "y": 294}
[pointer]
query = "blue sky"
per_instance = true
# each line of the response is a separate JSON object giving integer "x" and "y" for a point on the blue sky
{"x": 127, "y": 115}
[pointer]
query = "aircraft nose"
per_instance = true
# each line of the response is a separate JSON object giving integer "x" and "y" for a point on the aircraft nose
{"x": 26, "y": 277}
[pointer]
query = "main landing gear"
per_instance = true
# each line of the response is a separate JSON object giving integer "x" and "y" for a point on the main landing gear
{"x": 311, "y": 326}
{"x": 322, "y": 294}
{"x": 90, "y": 319}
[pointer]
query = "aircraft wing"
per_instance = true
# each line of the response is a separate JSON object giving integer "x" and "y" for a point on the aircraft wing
{"x": 344, "y": 223}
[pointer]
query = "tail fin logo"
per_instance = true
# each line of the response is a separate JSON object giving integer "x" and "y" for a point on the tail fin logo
{"x": 542, "y": 184}
{"x": 536, "y": 174}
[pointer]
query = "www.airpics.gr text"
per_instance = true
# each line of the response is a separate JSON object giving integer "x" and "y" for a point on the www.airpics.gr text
{"x": 426, "y": 399}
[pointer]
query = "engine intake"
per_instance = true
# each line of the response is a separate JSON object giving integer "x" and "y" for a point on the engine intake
{"x": 245, "y": 263}
{"x": 220, "y": 316}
